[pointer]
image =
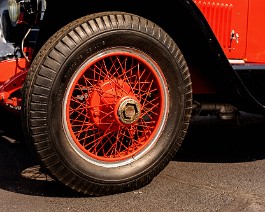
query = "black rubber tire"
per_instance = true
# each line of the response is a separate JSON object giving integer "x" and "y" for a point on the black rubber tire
{"x": 44, "y": 94}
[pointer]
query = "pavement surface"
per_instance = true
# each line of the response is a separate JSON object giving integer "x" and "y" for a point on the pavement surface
{"x": 221, "y": 167}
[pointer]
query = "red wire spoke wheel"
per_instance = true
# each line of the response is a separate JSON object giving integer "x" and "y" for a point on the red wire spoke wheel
{"x": 116, "y": 107}
{"x": 106, "y": 103}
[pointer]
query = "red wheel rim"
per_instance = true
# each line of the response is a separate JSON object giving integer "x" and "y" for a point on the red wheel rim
{"x": 115, "y": 106}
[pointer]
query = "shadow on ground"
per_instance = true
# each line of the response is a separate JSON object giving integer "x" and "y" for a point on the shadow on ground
{"x": 211, "y": 140}
{"x": 19, "y": 171}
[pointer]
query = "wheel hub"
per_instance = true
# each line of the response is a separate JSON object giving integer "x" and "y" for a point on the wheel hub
{"x": 129, "y": 111}
{"x": 113, "y": 105}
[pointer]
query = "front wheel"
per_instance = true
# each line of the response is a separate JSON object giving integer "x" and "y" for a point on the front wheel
{"x": 107, "y": 103}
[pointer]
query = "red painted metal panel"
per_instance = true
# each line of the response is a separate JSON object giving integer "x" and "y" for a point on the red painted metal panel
{"x": 256, "y": 32}
{"x": 11, "y": 67}
{"x": 228, "y": 20}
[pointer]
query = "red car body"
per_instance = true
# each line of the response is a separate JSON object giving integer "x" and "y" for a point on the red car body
{"x": 238, "y": 27}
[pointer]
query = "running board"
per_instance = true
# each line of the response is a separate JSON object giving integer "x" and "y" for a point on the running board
{"x": 253, "y": 76}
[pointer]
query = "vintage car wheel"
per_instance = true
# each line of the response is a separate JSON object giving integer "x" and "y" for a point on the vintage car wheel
{"x": 107, "y": 103}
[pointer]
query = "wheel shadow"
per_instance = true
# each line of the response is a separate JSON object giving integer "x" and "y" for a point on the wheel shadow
{"x": 19, "y": 171}
{"x": 211, "y": 140}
